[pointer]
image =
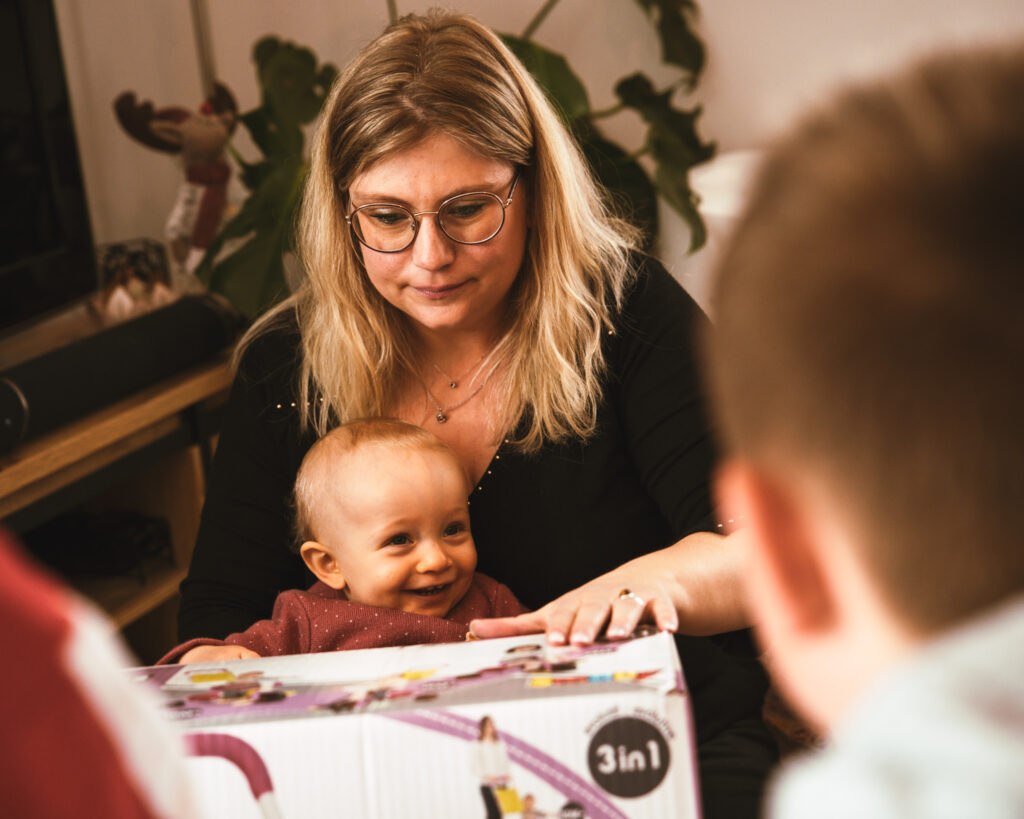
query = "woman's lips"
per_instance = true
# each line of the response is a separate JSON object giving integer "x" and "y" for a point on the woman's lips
{"x": 438, "y": 292}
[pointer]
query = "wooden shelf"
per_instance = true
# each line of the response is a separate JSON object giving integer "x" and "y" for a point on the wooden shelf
{"x": 145, "y": 454}
{"x": 126, "y": 599}
{"x": 49, "y": 463}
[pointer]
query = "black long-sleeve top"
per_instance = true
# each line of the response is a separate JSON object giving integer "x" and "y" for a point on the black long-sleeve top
{"x": 543, "y": 524}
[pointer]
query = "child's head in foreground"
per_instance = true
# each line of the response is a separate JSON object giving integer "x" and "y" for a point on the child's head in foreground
{"x": 867, "y": 368}
{"x": 382, "y": 513}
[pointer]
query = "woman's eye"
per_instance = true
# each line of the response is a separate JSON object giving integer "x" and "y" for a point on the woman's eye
{"x": 465, "y": 210}
{"x": 401, "y": 539}
{"x": 453, "y": 529}
{"x": 383, "y": 217}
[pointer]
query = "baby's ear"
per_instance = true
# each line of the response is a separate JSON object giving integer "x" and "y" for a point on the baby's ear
{"x": 322, "y": 563}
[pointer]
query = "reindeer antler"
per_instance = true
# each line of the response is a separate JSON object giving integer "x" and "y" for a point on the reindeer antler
{"x": 137, "y": 119}
{"x": 149, "y": 125}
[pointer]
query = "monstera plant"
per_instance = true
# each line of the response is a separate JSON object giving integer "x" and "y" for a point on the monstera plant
{"x": 671, "y": 140}
{"x": 294, "y": 87}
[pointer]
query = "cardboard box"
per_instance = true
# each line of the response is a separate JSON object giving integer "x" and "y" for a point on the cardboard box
{"x": 601, "y": 732}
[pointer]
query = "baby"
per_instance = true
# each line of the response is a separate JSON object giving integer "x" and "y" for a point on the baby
{"x": 383, "y": 521}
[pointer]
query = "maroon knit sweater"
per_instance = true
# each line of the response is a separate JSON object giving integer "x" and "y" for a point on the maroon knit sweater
{"x": 321, "y": 619}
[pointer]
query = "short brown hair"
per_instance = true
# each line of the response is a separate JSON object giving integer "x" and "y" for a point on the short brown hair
{"x": 870, "y": 326}
{"x": 340, "y": 442}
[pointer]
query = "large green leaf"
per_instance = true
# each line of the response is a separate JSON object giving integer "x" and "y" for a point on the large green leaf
{"x": 252, "y": 278}
{"x": 674, "y": 145}
{"x": 253, "y": 174}
{"x": 674, "y": 185}
{"x": 679, "y": 45}
{"x": 325, "y": 78}
{"x": 267, "y": 218}
{"x": 293, "y": 91}
{"x": 626, "y": 181}
{"x": 264, "y": 51}
{"x": 552, "y": 72}
{"x": 241, "y": 224}
{"x": 277, "y": 140}
{"x": 275, "y": 199}
{"x": 673, "y": 128}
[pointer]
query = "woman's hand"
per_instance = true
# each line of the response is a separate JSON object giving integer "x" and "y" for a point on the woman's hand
{"x": 613, "y": 603}
{"x": 693, "y": 586}
{"x": 207, "y": 654}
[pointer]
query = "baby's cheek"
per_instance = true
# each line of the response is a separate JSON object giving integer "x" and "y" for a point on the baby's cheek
{"x": 402, "y": 576}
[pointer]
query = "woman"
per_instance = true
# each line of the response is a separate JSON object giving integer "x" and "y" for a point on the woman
{"x": 464, "y": 274}
{"x": 490, "y": 766}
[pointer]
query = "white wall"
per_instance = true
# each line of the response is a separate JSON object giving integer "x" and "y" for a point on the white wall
{"x": 766, "y": 60}
{"x": 770, "y": 58}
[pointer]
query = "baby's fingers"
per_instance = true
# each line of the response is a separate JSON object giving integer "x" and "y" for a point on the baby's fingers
{"x": 207, "y": 654}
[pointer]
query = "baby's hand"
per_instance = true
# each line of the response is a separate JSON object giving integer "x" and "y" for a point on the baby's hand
{"x": 206, "y": 654}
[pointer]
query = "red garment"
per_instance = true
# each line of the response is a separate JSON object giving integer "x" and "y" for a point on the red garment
{"x": 213, "y": 177}
{"x": 79, "y": 738}
{"x": 321, "y": 619}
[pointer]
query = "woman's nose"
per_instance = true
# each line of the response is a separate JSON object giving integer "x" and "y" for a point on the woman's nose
{"x": 431, "y": 250}
{"x": 432, "y": 558}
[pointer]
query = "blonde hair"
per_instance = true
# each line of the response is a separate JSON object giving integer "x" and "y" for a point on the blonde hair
{"x": 868, "y": 326}
{"x": 448, "y": 73}
{"x": 342, "y": 441}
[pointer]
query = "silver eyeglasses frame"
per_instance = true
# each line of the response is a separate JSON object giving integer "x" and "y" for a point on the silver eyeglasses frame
{"x": 436, "y": 213}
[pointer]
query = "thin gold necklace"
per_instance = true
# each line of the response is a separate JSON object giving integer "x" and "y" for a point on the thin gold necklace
{"x": 441, "y": 416}
{"x": 453, "y": 383}
{"x": 442, "y": 412}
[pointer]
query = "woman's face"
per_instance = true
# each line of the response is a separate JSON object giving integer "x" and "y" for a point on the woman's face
{"x": 438, "y": 283}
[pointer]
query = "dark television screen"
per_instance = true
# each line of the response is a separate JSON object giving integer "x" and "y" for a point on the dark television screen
{"x": 46, "y": 251}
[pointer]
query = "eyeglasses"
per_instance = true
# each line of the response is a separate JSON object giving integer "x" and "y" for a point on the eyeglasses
{"x": 468, "y": 219}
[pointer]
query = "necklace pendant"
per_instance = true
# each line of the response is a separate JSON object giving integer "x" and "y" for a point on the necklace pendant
{"x": 441, "y": 417}
{"x": 452, "y": 384}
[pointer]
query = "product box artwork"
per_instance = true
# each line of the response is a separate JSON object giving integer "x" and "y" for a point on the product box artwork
{"x": 507, "y": 726}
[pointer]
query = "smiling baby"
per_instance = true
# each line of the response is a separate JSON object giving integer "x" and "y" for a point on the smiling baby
{"x": 382, "y": 518}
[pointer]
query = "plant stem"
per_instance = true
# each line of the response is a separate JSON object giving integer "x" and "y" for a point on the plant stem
{"x": 538, "y": 18}
{"x": 393, "y": 11}
{"x": 607, "y": 112}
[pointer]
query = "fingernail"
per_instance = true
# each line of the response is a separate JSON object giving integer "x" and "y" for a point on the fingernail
{"x": 581, "y": 639}
{"x": 616, "y": 632}
{"x": 556, "y": 638}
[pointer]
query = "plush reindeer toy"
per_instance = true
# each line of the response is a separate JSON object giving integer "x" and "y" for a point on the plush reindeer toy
{"x": 200, "y": 137}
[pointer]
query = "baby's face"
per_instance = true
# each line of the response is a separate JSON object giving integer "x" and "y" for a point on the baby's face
{"x": 397, "y": 523}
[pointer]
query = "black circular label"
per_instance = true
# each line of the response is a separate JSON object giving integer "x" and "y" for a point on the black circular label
{"x": 628, "y": 757}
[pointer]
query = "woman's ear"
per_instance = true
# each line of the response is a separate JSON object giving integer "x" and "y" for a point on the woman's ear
{"x": 322, "y": 563}
{"x": 789, "y": 587}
